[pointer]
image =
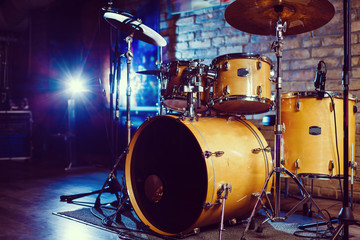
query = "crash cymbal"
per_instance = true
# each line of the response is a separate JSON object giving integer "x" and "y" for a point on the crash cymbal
{"x": 128, "y": 25}
{"x": 260, "y": 16}
{"x": 155, "y": 72}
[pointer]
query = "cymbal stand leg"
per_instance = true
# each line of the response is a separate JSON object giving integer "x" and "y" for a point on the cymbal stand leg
{"x": 110, "y": 181}
{"x": 259, "y": 201}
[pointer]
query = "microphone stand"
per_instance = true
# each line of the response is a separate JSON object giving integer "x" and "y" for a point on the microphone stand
{"x": 346, "y": 216}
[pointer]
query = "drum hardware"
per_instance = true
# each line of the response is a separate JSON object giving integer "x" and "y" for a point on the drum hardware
{"x": 226, "y": 91}
{"x": 259, "y": 91}
{"x": 223, "y": 195}
{"x": 226, "y": 65}
{"x": 353, "y": 166}
{"x": 185, "y": 90}
{"x": 285, "y": 18}
{"x": 243, "y": 72}
{"x": 297, "y": 164}
{"x": 208, "y": 154}
{"x": 257, "y": 150}
{"x": 258, "y": 65}
{"x": 331, "y": 165}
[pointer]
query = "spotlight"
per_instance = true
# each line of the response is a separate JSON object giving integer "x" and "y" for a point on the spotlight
{"x": 76, "y": 86}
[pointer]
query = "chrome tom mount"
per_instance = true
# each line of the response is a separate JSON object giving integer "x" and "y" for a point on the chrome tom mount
{"x": 192, "y": 77}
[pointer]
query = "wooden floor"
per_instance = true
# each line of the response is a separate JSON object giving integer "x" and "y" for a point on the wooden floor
{"x": 30, "y": 194}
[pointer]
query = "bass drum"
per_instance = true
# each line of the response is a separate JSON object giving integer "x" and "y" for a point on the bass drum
{"x": 312, "y": 137}
{"x": 175, "y": 168}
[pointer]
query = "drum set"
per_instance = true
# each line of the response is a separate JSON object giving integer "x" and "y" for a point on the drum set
{"x": 183, "y": 165}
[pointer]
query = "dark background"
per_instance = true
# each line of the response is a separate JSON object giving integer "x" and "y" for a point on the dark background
{"x": 42, "y": 43}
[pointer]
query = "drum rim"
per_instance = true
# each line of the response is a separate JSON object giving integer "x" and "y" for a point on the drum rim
{"x": 310, "y": 94}
{"x": 242, "y": 97}
{"x": 246, "y": 55}
{"x": 180, "y": 62}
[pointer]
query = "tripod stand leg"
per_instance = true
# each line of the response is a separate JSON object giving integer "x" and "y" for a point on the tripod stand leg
{"x": 70, "y": 198}
{"x": 259, "y": 201}
{"x": 109, "y": 180}
{"x": 307, "y": 198}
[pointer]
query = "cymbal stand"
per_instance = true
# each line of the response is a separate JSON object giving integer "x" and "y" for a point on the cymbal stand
{"x": 112, "y": 176}
{"x": 129, "y": 56}
{"x": 277, "y": 46}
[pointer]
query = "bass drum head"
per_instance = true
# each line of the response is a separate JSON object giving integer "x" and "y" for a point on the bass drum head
{"x": 168, "y": 175}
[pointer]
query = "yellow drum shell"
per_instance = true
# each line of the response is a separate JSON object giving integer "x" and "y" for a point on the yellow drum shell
{"x": 309, "y": 140}
{"x": 174, "y": 97}
{"x": 171, "y": 177}
{"x": 242, "y": 84}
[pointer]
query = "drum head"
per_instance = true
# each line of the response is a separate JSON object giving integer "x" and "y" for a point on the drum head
{"x": 170, "y": 186}
{"x": 242, "y": 56}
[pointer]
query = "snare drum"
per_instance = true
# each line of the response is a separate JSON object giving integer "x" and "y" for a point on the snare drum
{"x": 175, "y": 169}
{"x": 242, "y": 84}
{"x": 311, "y": 138}
{"x": 173, "y": 92}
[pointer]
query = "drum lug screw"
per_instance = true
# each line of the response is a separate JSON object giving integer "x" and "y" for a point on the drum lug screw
{"x": 227, "y": 65}
{"x": 258, "y": 65}
{"x": 226, "y": 90}
{"x": 208, "y": 154}
{"x": 297, "y": 163}
{"x": 353, "y": 164}
{"x": 207, "y": 205}
{"x": 259, "y": 91}
{"x": 257, "y": 150}
{"x": 331, "y": 165}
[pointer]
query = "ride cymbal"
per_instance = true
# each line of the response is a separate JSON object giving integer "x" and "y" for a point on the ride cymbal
{"x": 128, "y": 25}
{"x": 260, "y": 16}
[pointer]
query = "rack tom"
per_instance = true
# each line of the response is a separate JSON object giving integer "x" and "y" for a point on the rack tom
{"x": 242, "y": 84}
{"x": 176, "y": 82}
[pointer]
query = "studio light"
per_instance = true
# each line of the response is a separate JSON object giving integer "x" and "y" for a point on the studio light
{"x": 76, "y": 86}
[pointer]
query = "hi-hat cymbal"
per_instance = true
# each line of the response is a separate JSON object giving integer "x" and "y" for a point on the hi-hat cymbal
{"x": 128, "y": 25}
{"x": 260, "y": 16}
{"x": 155, "y": 72}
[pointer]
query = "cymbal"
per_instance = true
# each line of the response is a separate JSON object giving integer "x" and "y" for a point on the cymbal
{"x": 155, "y": 72}
{"x": 260, "y": 16}
{"x": 128, "y": 25}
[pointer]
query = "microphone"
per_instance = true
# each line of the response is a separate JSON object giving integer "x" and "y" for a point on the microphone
{"x": 320, "y": 78}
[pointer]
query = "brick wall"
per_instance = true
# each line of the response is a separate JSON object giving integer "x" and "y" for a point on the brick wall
{"x": 204, "y": 34}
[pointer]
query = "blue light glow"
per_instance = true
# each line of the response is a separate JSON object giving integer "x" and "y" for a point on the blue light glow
{"x": 76, "y": 86}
